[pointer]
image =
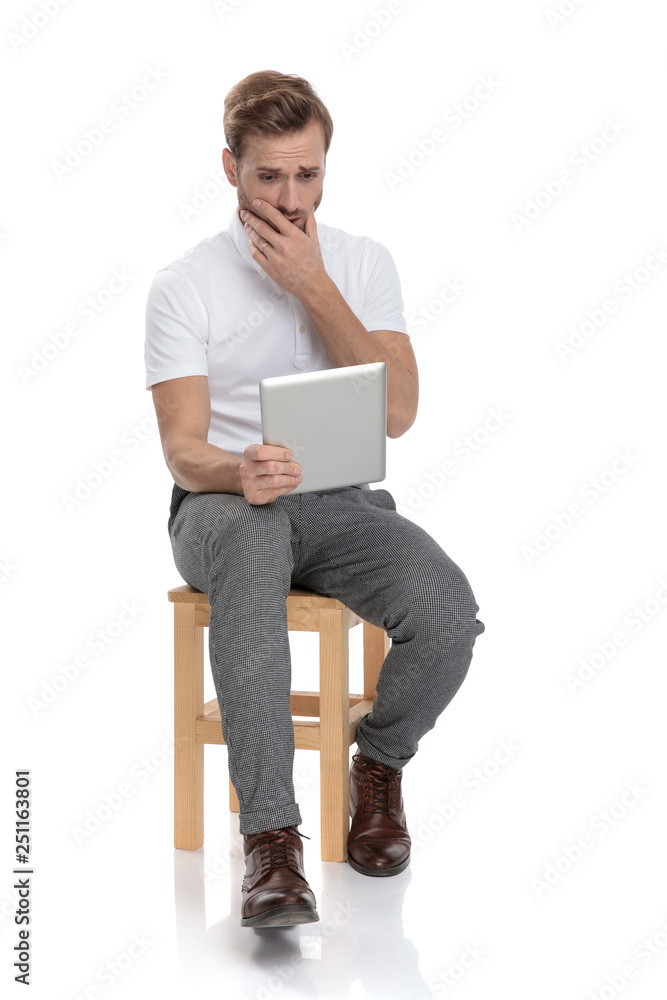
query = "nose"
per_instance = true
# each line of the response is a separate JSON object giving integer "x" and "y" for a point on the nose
{"x": 289, "y": 198}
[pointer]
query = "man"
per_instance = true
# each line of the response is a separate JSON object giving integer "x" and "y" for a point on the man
{"x": 274, "y": 294}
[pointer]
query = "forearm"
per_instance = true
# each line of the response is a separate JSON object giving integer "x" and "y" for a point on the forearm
{"x": 204, "y": 468}
{"x": 347, "y": 342}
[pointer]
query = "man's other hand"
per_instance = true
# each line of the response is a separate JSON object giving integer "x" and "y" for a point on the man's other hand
{"x": 267, "y": 471}
{"x": 290, "y": 256}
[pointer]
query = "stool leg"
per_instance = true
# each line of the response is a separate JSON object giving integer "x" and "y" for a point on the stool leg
{"x": 188, "y": 704}
{"x": 233, "y": 799}
{"x": 334, "y": 734}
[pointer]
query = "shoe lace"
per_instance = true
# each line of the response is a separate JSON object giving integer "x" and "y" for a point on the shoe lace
{"x": 379, "y": 788}
{"x": 277, "y": 848}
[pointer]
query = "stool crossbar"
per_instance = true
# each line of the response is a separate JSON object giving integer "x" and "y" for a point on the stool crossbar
{"x": 334, "y": 712}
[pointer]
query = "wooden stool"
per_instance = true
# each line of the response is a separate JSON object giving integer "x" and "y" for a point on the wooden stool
{"x": 332, "y": 733}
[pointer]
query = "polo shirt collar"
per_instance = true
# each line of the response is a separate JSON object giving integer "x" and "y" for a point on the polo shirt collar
{"x": 240, "y": 238}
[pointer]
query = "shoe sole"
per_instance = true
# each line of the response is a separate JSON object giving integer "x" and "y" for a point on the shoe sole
{"x": 377, "y": 871}
{"x": 282, "y": 916}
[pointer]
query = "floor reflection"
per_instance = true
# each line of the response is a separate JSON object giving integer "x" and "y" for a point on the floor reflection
{"x": 357, "y": 950}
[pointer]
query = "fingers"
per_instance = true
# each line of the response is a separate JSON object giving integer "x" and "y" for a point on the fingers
{"x": 262, "y": 452}
{"x": 267, "y": 214}
{"x": 261, "y": 493}
{"x": 266, "y": 469}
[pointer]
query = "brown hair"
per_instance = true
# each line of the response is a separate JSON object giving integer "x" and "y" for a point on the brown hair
{"x": 271, "y": 103}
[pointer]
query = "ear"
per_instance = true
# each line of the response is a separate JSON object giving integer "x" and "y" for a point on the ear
{"x": 229, "y": 166}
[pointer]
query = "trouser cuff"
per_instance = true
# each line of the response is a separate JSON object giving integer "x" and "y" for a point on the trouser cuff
{"x": 368, "y": 750}
{"x": 274, "y": 819}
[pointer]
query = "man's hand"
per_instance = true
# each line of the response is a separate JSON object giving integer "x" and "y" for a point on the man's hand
{"x": 291, "y": 257}
{"x": 267, "y": 472}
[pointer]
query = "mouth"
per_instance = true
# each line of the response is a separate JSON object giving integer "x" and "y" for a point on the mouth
{"x": 294, "y": 221}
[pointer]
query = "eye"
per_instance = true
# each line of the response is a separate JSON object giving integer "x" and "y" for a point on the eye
{"x": 267, "y": 178}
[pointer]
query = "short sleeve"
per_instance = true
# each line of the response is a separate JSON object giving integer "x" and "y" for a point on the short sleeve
{"x": 176, "y": 341}
{"x": 383, "y": 304}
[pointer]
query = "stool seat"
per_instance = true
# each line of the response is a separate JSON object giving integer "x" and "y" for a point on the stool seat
{"x": 334, "y": 712}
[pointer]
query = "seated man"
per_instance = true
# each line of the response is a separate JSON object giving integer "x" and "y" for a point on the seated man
{"x": 275, "y": 294}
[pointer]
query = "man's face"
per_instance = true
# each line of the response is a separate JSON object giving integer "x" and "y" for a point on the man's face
{"x": 287, "y": 171}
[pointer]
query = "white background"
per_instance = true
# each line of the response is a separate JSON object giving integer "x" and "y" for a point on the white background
{"x": 551, "y": 596}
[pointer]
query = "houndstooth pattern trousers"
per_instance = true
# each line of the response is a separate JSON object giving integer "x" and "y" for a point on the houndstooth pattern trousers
{"x": 346, "y": 543}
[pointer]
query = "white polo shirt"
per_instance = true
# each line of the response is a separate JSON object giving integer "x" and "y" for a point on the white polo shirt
{"x": 213, "y": 311}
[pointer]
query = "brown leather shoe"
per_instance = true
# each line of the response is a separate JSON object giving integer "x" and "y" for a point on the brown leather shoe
{"x": 275, "y": 892}
{"x": 379, "y": 842}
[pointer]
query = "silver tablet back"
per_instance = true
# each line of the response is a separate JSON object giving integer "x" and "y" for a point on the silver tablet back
{"x": 334, "y": 421}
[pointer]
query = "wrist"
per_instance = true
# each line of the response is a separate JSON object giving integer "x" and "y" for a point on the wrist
{"x": 315, "y": 292}
{"x": 238, "y": 482}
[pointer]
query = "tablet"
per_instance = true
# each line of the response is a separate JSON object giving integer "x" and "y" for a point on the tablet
{"x": 334, "y": 421}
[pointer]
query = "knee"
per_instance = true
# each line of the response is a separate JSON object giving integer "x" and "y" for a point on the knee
{"x": 451, "y": 607}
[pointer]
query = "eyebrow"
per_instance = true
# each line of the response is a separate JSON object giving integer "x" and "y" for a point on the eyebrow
{"x": 273, "y": 170}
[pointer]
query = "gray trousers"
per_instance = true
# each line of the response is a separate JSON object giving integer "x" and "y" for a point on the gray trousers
{"x": 347, "y": 543}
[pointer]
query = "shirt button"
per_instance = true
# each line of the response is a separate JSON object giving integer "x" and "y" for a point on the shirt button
{"x": 302, "y": 329}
